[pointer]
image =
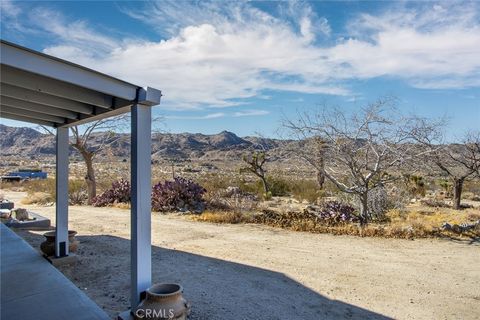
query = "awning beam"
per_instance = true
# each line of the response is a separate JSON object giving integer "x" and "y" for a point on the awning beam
{"x": 34, "y": 82}
{"x": 43, "y": 98}
{"x": 34, "y": 114}
{"x": 29, "y": 106}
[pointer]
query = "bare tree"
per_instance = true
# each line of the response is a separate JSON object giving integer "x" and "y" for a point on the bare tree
{"x": 89, "y": 140}
{"x": 458, "y": 162}
{"x": 360, "y": 152}
{"x": 255, "y": 164}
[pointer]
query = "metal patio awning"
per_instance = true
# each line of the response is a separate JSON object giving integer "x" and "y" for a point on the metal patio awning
{"x": 46, "y": 90}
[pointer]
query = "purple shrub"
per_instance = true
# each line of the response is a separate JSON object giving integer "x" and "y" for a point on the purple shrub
{"x": 337, "y": 212}
{"x": 180, "y": 194}
{"x": 120, "y": 192}
{"x": 333, "y": 212}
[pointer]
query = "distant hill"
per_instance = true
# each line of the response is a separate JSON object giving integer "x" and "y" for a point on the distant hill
{"x": 30, "y": 142}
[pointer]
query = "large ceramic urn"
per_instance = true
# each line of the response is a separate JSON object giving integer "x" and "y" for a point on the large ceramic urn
{"x": 163, "y": 301}
{"x": 48, "y": 246}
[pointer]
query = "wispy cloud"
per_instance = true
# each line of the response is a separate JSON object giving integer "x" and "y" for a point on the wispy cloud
{"x": 217, "y": 55}
{"x": 205, "y": 117}
{"x": 431, "y": 46}
{"x": 249, "y": 113}
{"x": 216, "y": 115}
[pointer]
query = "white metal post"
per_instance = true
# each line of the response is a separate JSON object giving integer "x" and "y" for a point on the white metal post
{"x": 61, "y": 178}
{"x": 141, "y": 250}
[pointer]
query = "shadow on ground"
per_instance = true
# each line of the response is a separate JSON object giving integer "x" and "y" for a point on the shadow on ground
{"x": 216, "y": 289}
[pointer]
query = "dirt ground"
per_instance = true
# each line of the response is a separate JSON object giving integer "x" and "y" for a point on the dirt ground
{"x": 257, "y": 272}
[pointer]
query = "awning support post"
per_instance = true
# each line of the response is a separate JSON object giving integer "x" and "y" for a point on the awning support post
{"x": 141, "y": 250}
{"x": 61, "y": 185}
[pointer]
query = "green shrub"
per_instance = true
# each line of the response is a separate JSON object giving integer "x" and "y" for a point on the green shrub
{"x": 306, "y": 190}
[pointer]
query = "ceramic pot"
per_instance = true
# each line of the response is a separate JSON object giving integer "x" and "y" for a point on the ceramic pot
{"x": 163, "y": 301}
{"x": 48, "y": 246}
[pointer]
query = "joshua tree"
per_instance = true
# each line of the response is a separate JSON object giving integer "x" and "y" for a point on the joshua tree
{"x": 255, "y": 164}
{"x": 363, "y": 149}
{"x": 457, "y": 162}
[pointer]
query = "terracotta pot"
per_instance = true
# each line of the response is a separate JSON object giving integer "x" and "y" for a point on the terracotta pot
{"x": 48, "y": 246}
{"x": 163, "y": 301}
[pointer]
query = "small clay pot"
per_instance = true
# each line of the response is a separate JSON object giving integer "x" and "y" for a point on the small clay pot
{"x": 163, "y": 301}
{"x": 48, "y": 246}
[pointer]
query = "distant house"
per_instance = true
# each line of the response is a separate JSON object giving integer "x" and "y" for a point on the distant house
{"x": 25, "y": 174}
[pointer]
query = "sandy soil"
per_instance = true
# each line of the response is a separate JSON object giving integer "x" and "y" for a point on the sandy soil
{"x": 256, "y": 272}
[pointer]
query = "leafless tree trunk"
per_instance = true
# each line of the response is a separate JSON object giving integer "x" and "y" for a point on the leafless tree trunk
{"x": 90, "y": 176}
{"x": 457, "y": 192}
{"x": 320, "y": 179}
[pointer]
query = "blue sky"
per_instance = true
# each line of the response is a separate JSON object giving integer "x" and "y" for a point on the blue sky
{"x": 242, "y": 66}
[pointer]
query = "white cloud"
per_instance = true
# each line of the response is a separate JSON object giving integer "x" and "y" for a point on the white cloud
{"x": 205, "y": 117}
{"x": 432, "y": 47}
{"x": 249, "y": 113}
{"x": 217, "y": 55}
{"x": 216, "y": 115}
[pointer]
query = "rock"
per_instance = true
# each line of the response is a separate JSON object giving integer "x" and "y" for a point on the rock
{"x": 5, "y": 213}
{"x": 21, "y": 214}
{"x": 460, "y": 228}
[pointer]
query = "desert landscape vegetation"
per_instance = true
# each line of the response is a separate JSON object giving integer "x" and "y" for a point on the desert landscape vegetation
{"x": 340, "y": 187}
{"x": 330, "y": 195}
{"x": 375, "y": 172}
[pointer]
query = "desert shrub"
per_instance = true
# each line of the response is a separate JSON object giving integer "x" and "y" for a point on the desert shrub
{"x": 305, "y": 190}
{"x": 415, "y": 185}
{"x": 472, "y": 186}
{"x": 329, "y": 213}
{"x": 470, "y": 196}
{"x": 215, "y": 182}
{"x": 231, "y": 199}
{"x": 334, "y": 212}
{"x": 249, "y": 187}
{"x": 119, "y": 192}
{"x": 300, "y": 189}
{"x": 40, "y": 198}
{"x": 378, "y": 203}
{"x": 279, "y": 187}
{"x": 434, "y": 203}
{"x": 446, "y": 186}
{"x": 40, "y": 185}
{"x": 77, "y": 192}
{"x": 180, "y": 194}
{"x": 42, "y": 191}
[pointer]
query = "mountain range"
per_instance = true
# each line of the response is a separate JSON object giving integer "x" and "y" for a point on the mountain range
{"x": 28, "y": 142}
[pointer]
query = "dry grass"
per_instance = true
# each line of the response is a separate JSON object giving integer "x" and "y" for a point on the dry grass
{"x": 43, "y": 191}
{"x": 416, "y": 222}
{"x": 222, "y": 217}
{"x": 41, "y": 198}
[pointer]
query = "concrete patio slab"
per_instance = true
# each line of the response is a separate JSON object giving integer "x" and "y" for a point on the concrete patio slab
{"x": 39, "y": 223}
{"x": 32, "y": 288}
